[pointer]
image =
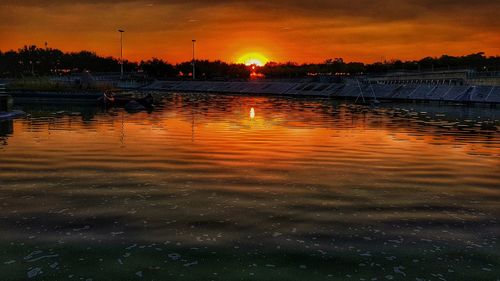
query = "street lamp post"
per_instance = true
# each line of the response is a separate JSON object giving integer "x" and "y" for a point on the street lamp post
{"x": 121, "y": 52}
{"x": 194, "y": 70}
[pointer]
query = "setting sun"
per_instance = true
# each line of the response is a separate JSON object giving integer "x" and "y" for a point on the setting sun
{"x": 253, "y": 59}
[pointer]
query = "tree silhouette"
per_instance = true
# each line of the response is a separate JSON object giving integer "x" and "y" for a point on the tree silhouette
{"x": 34, "y": 61}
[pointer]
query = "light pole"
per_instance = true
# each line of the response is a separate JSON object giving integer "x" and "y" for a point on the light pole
{"x": 194, "y": 70}
{"x": 121, "y": 52}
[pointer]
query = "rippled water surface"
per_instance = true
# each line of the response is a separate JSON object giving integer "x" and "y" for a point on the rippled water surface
{"x": 201, "y": 189}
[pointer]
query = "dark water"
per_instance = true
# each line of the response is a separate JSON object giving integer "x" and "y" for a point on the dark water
{"x": 199, "y": 189}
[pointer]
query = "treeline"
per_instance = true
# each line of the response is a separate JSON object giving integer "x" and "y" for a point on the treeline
{"x": 478, "y": 62}
{"x": 34, "y": 61}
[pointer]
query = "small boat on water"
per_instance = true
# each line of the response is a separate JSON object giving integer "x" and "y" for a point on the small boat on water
{"x": 5, "y": 108}
{"x": 110, "y": 100}
{"x": 11, "y": 114}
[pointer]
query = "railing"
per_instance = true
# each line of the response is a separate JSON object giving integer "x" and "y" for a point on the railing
{"x": 495, "y": 74}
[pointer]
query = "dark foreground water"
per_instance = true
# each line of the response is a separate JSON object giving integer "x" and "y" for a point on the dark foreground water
{"x": 201, "y": 189}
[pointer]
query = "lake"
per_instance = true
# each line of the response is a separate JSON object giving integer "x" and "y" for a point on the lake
{"x": 209, "y": 187}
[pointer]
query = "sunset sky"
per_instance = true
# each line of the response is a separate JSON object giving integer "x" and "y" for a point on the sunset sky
{"x": 281, "y": 30}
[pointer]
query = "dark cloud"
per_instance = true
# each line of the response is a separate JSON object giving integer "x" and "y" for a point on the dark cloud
{"x": 287, "y": 27}
{"x": 364, "y": 8}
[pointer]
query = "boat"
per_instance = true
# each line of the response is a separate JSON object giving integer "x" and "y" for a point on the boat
{"x": 109, "y": 100}
{"x": 106, "y": 100}
{"x": 11, "y": 115}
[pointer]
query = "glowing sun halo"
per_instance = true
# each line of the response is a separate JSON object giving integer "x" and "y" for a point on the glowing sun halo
{"x": 253, "y": 59}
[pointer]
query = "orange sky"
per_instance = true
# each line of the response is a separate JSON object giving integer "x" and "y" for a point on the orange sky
{"x": 293, "y": 30}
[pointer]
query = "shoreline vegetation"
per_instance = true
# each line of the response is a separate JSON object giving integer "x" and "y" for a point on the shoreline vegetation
{"x": 32, "y": 61}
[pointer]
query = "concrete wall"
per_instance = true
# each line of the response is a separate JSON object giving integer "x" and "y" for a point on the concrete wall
{"x": 424, "y": 92}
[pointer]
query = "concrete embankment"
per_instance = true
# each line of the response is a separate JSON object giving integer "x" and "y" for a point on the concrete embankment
{"x": 408, "y": 92}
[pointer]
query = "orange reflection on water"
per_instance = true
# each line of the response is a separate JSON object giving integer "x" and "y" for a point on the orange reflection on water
{"x": 297, "y": 127}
